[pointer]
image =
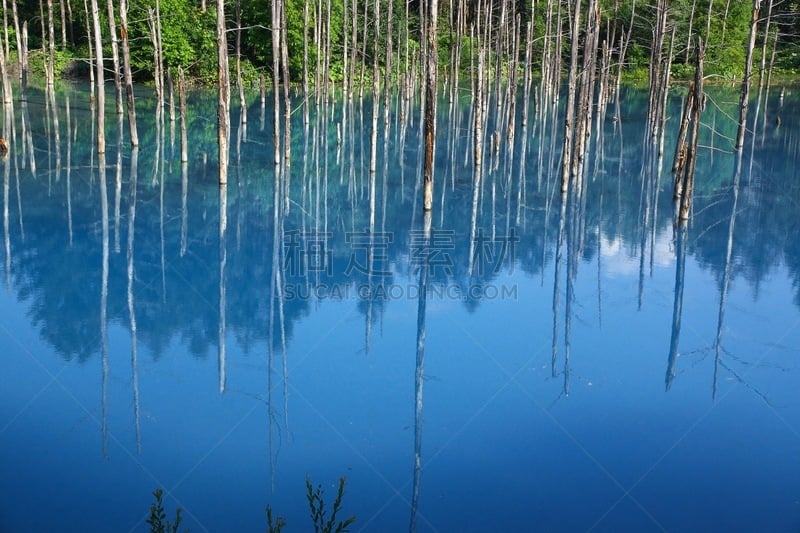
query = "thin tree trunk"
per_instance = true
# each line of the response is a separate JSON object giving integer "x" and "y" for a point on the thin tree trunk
{"x": 21, "y": 52}
{"x": 5, "y": 28}
{"x": 23, "y": 75}
{"x": 112, "y": 25}
{"x": 63, "y": 24}
{"x": 327, "y": 63}
{"x": 101, "y": 97}
{"x": 363, "y": 52}
{"x": 376, "y": 80}
{"x": 69, "y": 18}
{"x": 585, "y": 100}
{"x": 354, "y": 47}
{"x": 725, "y": 21}
{"x": 305, "y": 63}
{"x": 126, "y": 62}
{"x": 748, "y": 73}
{"x": 43, "y": 22}
{"x": 566, "y": 154}
{"x": 7, "y": 97}
{"x": 345, "y": 55}
{"x": 182, "y": 100}
{"x": 171, "y": 94}
{"x": 51, "y": 45}
{"x": 689, "y": 33}
{"x": 431, "y": 90}
{"x": 158, "y": 53}
{"x": 387, "y": 82}
{"x": 239, "y": 82}
{"x": 276, "y": 55}
{"x": 287, "y": 104}
{"x": 625, "y": 41}
{"x": 764, "y": 47}
{"x": 691, "y": 157}
{"x": 223, "y": 94}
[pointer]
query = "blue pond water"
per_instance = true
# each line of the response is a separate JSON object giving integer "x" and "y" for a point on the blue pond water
{"x": 577, "y": 364}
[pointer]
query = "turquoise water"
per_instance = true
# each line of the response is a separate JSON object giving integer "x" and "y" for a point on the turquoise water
{"x": 578, "y": 363}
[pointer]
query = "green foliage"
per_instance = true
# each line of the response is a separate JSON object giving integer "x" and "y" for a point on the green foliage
{"x": 158, "y": 516}
{"x": 727, "y": 39}
{"x": 65, "y": 62}
{"x": 188, "y": 36}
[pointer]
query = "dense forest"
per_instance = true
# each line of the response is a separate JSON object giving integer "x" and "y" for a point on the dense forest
{"x": 349, "y": 42}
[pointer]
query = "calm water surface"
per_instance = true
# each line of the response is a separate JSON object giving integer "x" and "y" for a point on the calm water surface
{"x": 577, "y": 364}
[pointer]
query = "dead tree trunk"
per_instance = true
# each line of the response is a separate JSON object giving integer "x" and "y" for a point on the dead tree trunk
{"x": 305, "y": 63}
{"x": 684, "y": 176}
{"x": 586, "y": 98}
{"x": 90, "y": 45}
{"x": 63, "y": 24}
{"x": 112, "y": 25}
{"x": 376, "y": 75}
{"x": 101, "y": 97}
{"x": 287, "y": 103}
{"x": 658, "y": 69}
{"x": 21, "y": 53}
{"x": 748, "y": 73}
{"x": 5, "y": 29}
{"x": 431, "y": 83}
{"x": 223, "y": 94}
{"x": 51, "y": 45}
{"x": 276, "y": 54}
{"x": 23, "y": 74}
{"x": 182, "y": 100}
{"x": 126, "y": 66}
{"x": 569, "y": 120}
{"x": 158, "y": 56}
{"x": 7, "y": 99}
{"x": 239, "y": 82}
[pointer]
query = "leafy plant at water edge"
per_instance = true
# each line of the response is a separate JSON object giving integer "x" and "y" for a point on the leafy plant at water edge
{"x": 158, "y": 515}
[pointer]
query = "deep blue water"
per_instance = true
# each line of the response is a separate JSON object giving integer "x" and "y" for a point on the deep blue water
{"x": 578, "y": 364}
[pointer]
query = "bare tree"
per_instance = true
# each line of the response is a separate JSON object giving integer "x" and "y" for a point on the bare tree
{"x": 112, "y": 26}
{"x": 744, "y": 97}
{"x": 126, "y": 66}
{"x": 431, "y": 85}
{"x": 223, "y": 94}
{"x": 569, "y": 120}
{"x": 101, "y": 97}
